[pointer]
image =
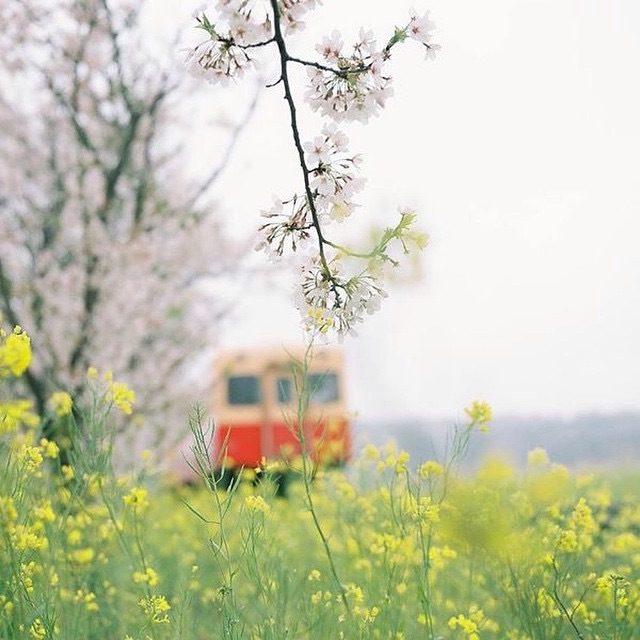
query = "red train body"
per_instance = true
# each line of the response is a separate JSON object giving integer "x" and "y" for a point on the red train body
{"x": 255, "y": 406}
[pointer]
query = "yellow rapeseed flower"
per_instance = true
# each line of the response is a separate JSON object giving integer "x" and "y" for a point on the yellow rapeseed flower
{"x": 121, "y": 396}
{"x": 25, "y": 537}
{"x": 494, "y": 472}
{"x": 83, "y": 556}
{"x": 60, "y": 403}
{"x": 44, "y": 511}
{"x": 479, "y": 413}
{"x": 477, "y": 615}
{"x": 67, "y": 472}
{"x": 367, "y": 615}
{"x": 354, "y": 593}
{"x": 468, "y": 626}
{"x": 15, "y": 413}
{"x": 74, "y": 536}
{"x": 370, "y": 452}
{"x": 15, "y": 352}
{"x": 30, "y": 457}
{"x": 6, "y": 605}
{"x": 49, "y": 448}
{"x": 430, "y": 468}
{"x": 8, "y": 511}
{"x": 156, "y": 608}
{"x": 549, "y": 487}
{"x": 37, "y": 630}
{"x": 537, "y": 457}
{"x": 401, "y": 462}
{"x": 438, "y": 556}
{"x": 567, "y": 541}
{"x": 424, "y": 511}
{"x": 137, "y": 498}
{"x": 256, "y": 503}
{"x": 88, "y": 598}
{"x": 148, "y": 576}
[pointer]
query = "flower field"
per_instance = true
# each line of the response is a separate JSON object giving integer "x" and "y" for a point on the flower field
{"x": 387, "y": 548}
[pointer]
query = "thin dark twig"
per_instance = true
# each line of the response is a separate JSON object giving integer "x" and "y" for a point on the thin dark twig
{"x": 226, "y": 155}
{"x": 275, "y": 83}
{"x": 322, "y": 67}
{"x": 284, "y": 76}
{"x": 253, "y": 45}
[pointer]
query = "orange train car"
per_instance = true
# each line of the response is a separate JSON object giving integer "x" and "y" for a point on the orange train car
{"x": 255, "y": 406}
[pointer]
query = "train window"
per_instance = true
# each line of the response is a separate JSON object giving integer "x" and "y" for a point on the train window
{"x": 284, "y": 387}
{"x": 243, "y": 390}
{"x": 323, "y": 387}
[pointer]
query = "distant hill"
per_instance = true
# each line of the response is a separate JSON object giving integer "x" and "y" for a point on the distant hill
{"x": 594, "y": 440}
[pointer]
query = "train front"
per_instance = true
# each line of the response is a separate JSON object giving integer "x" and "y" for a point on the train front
{"x": 271, "y": 404}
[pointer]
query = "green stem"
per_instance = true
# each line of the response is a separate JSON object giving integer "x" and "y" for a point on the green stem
{"x": 306, "y": 476}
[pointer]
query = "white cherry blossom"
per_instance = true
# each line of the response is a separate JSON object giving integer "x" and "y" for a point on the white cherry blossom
{"x": 420, "y": 28}
{"x": 355, "y": 88}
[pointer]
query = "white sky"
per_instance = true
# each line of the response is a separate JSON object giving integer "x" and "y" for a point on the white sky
{"x": 520, "y": 149}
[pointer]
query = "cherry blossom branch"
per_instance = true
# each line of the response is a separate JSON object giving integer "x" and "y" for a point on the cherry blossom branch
{"x": 342, "y": 87}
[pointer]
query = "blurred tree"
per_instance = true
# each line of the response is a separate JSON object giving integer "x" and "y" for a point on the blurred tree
{"x": 107, "y": 252}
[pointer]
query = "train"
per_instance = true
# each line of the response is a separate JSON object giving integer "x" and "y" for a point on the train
{"x": 260, "y": 394}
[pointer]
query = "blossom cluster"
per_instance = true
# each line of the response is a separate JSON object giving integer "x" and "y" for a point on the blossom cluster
{"x": 354, "y": 86}
{"x": 218, "y": 60}
{"x": 333, "y": 181}
{"x": 333, "y": 301}
{"x": 350, "y": 87}
{"x": 240, "y": 26}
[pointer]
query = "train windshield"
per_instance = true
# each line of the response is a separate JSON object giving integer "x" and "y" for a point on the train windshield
{"x": 243, "y": 390}
{"x": 323, "y": 387}
{"x": 284, "y": 387}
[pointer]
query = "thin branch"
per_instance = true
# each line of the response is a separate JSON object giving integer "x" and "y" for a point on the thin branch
{"x": 81, "y": 134}
{"x": 226, "y": 155}
{"x": 254, "y": 45}
{"x": 284, "y": 58}
{"x": 322, "y": 67}
{"x": 117, "y": 56}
